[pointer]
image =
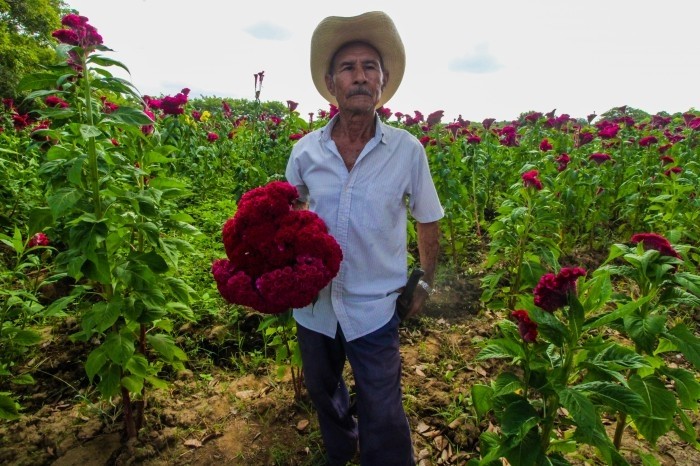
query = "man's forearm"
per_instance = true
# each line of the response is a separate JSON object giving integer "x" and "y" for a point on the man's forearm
{"x": 428, "y": 248}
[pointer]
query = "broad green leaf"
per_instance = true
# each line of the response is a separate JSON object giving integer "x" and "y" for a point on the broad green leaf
{"x": 9, "y": 409}
{"x": 661, "y": 405}
{"x": 644, "y": 331}
{"x": 109, "y": 384}
{"x": 618, "y": 313}
{"x": 687, "y": 387}
{"x": 55, "y": 309}
{"x": 156, "y": 382}
{"x": 686, "y": 342}
{"x": 615, "y": 396}
{"x": 482, "y": 396}
{"x": 506, "y": 382}
{"x": 648, "y": 459}
{"x": 119, "y": 348}
{"x": 163, "y": 344}
{"x": 132, "y": 383}
{"x": 518, "y": 418}
{"x": 129, "y": 116}
{"x": 154, "y": 261}
{"x": 138, "y": 365}
{"x": 687, "y": 433}
{"x": 581, "y": 410}
{"x": 37, "y": 81}
{"x": 39, "y": 219}
{"x": 23, "y": 379}
{"x": 87, "y": 131}
{"x": 63, "y": 200}
{"x": 95, "y": 361}
{"x": 105, "y": 61}
{"x": 550, "y": 327}
{"x": 25, "y": 337}
{"x": 501, "y": 348}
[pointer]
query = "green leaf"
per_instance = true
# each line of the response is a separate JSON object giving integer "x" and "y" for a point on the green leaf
{"x": 661, "y": 405}
{"x": 501, "y": 348}
{"x": 156, "y": 382}
{"x": 95, "y": 361}
{"x": 482, "y": 396}
{"x": 163, "y": 344}
{"x": 687, "y": 388}
{"x": 505, "y": 383}
{"x": 87, "y": 131}
{"x": 615, "y": 396}
{"x": 138, "y": 365}
{"x": 518, "y": 418}
{"x": 550, "y": 327}
{"x": 9, "y": 409}
{"x": 24, "y": 379}
{"x": 56, "y": 308}
{"x": 37, "y": 81}
{"x": 648, "y": 459}
{"x": 154, "y": 261}
{"x": 119, "y": 348}
{"x": 25, "y": 337}
{"x": 644, "y": 331}
{"x": 687, "y": 433}
{"x": 63, "y": 200}
{"x": 129, "y": 116}
{"x": 132, "y": 383}
{"x": 581, "y": 409}
{"x": 105, "y": 61}
{"x": 686, "y": 342}
{"x": 39, "y": 219}
{"x": 109, "y": 384}
{"x": 618, "y": 313}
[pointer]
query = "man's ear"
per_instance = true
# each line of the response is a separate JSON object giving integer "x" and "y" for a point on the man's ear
{"x": 385, "y": 79}
{"x": 330, "y": 85}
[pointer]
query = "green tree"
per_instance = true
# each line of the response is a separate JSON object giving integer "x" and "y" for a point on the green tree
{"x": 25, "y": 39}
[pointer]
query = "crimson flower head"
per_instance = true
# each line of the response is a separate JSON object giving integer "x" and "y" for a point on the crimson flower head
{"x": 291, "y": 105}
{"x": 487, "y": 123}
{"x": 655, "y": 241}
{"x": 584, "y": 138}
{"x": 673, "y": 171}
{"x": 646, "y": 141}
{"x": 211, "y": 137}
{"x": 545, "y": 145}
{"x": 54, "y": 101}
{"x": 384, "y": 113}
{"x": 666, "y": 160}
{"x": 173, "y": 105}
{"x": 39, "y": 239}
{"x": 599, "y": 158}
{"x": 278, "y": 257}
{"x": 694, "y": 124}
{"x": 509, "y": 136}
{"x": 473, "y": 139}
{"x": 552, "y": 291}
{"x": 607, "y": 129}
{"x": 226, "y": 107}
{"x": 532, "y": 117}
{"x": 435, "y": 117}
{"x": 78, "y": 32}
{"x": 563, "y": 161}
{"x": 531, "y": 180}
{"x": 526, "y": 327}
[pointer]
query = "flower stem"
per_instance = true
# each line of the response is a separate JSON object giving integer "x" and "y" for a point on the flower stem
{"x": 92, "y": 151}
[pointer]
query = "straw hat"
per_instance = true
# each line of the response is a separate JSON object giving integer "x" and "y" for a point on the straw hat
{"x": 374, "y": 28}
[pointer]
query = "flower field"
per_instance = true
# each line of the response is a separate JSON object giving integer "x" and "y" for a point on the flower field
{"x": 576, "y": 343}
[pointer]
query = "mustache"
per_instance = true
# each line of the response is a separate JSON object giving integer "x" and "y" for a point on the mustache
{"x": 360, "y": 91}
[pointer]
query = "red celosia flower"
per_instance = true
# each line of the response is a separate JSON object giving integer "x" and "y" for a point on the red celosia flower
{"x": 384, "y": 113}
{"x": 39, "y": 239}
{"x": 646, "y": 141}
{"x": 655, "y": 241}
{"x": 333, "y": 111}
{"x": 531, "y": 180}
{"x": 599, "y": 158}
{"x": 694, "y": 124}
{"x": 664, "y": 148}
{"x": 277, "y": 257}
{"x": 487, "y": 123}
{"x": 552, "y": 291}
{"x": 526, "y": 327}
{"x": 673, "y": 171}
{"x": 545, "y": 145}
{"x": 473, "y": 139}
{"x": 114, "y": 142}
{"x": 79, "y": 32}
{"x": 533, "y": 117}
{"x": 148, "y": 129}
{"x": 607, "y": 129}
{"x": 666, "y": 159}
{"x": 435, "y": 117}
{"x": 509, "y": 136}
{"x": 197, "y": 116}
{"x": 296, "y": 136}
{"x": 21, "y": 121}
{"x": 54, "y": 101}
{"x": 172, "y": 105}
{"x": 584, "y": 138}
{"x": 425, "y": 140}
{"x": 563, "y": 161}
{"x": 211, "y": 137}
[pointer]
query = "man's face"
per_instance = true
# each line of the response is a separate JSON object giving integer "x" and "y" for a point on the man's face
{"x": 356, "y": 79}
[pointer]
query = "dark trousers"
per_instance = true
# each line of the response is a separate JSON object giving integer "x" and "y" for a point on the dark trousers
{"x": 382, "y": 427}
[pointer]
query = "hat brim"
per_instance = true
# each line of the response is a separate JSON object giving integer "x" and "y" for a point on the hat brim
{"x": 374, "y": 28}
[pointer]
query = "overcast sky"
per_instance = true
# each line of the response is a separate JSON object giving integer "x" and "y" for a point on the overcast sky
{"x": 479, "y": 59}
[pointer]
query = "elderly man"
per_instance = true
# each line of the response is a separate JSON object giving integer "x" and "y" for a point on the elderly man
{"x": 361, "y": 176}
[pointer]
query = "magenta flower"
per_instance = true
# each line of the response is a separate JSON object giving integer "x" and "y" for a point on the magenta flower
{"x": 655, "y": 241}
{"x": 607, "y": 129}
{"x": 435, "y": 117}
{"x": 78, "y": 32}
{"x": 666, "y": 160}
{"x": 296, "y": 136}
{"x": 552, "y": 291}
{"x": 384, "y": 113}
{"x": 211, "y": 137}
{"x": 584, "y": 138}
{"x": 545, "y": 145}
{"x": 526, "y": 327}
{"x": 508, "y": 136}
{"x": 54, "y": 101}
{"x": 487, "y": 123}
{"x": 39, "y": 239}
{"x": 646, "y": 141}
{"x": 563, "y": 161}
{"x": 532, "y": 117}
{"x": 673, "y": 171}
{"x": 291, "y": 105}
{"x": 227, "y": 108}
{"x": 473, "y": 139}
{"x": 531, "y": 180}
{"x": 694, "y": 124}
{"x": 599, "y": 158}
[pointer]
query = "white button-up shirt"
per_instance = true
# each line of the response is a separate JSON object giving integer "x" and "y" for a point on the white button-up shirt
{"x": 365, "y": 209}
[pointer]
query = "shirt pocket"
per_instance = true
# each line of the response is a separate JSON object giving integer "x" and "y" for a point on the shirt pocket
{"x": 382, "y": 209}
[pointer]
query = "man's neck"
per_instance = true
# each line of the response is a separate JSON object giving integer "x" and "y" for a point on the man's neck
{"x": 355, "y": 127}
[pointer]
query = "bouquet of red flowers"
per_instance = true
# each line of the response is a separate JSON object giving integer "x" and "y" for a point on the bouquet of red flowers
{"x": 278, "y": 258}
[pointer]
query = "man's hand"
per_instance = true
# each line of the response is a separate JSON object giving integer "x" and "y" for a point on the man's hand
{"x": 419, "y": 298}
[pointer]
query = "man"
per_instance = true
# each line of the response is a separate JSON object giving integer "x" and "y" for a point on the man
{"x": 360, "y": 176}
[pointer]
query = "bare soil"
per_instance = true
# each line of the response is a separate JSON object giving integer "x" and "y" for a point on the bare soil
{"x": 220, "y": 415}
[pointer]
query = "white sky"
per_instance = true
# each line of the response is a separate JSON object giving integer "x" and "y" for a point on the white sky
{"x": 477, "y": 58}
